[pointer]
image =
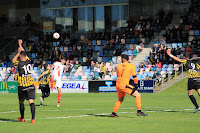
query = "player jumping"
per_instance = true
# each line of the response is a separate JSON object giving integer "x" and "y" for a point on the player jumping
{"x": 193, "y": 78}
{"x": 56, "y": 76}
{"x": 123, "y": 87}
{"x": 44, "y": 83}
{"x": 26, "y": 89}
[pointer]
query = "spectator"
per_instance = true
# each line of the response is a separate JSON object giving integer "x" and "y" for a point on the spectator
{"x": 143, "y": 75}
{"x": 4, "y": 65}
{"x": 158, "y": 63}
{"x": 5, "y": 78}
{"x": 118, "y": 51}
{"x": 76, "y": 65}
{"x": 102, "y": 70}
{"x": 139, "y": 76}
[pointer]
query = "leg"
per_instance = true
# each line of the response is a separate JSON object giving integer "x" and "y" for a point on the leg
{"x": 59, "y": 95}
{"x": 198, "y": 91}
{"x": 51, "y": 80}
{"x": 31, "y": 97}
{"x": 58, "y": 85}
{"x": 192, "y": 98}
{"x": 21, "y": 108}
{"x": 118, "y": 104}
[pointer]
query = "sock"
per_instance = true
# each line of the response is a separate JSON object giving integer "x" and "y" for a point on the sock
{"x": 59, "y": 98}
{"x": 51, "y": 80}
{"x": 192, "y": 98}
{"x": 138, "y": 103}
{"x": 32, "y": 105}
{"x": 117, "y": 105}
{"x": 21, "y": 108}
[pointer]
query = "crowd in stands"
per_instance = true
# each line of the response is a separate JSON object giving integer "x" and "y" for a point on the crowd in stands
{"x": 95, "y": 55}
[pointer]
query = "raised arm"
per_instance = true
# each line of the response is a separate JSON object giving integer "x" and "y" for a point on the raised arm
{"x": 17, "y": 55}
{"x": 41, "y": 75}
{"x": 172, "y": 56}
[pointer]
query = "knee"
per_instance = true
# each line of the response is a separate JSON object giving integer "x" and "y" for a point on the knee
{"x": 21, "y": 102}
{"x": 138, "y": 95}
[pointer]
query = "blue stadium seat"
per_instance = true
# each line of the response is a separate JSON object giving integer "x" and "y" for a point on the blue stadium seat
{"x": 110, "y": 53}
{"x": 127, "y": 46}
{"x": 110, "y": 59}
{"x": 196, "y": 32}
{"x": 85, "y": 54}
{"x": 97, "y": 48}
{"x": 96, "y": 75}
{"x": 132, "y": 40}
{"x": 146, "y": 57}
{"x": 95, "y": 59}
{"x": 33, "y": 55}
{"x": 74, "y": 77}
{"x": 54, "y": 44}
{"x": 130, "y": 52}
{"x": 185, "y": 44}
{"x": 94, "y": 42}
{"x": 135, "y": 52}
{"x": 104, "y": 59}
{"x": 164, "y": 69}
{"x": 137, "y": 69}
{"x": 100, "y": 53}
{"x": 116, "y": 47}
{"x": 79, "y": 77}
{"x": 80, "y": 59}
{"x": 174, "y": 45}
{"x": 105, "y": 53}
{"x": 61, "y": 49}
{"x": 67, "y": 74}
{"x": 69, "y": 48}
{"x": 180, "y": 45}
{"x": 165, "y": 66}
{"x": 35, "y": 68}
{"x": 114, "y": 58}
{"x": 103, "y": 42}
{"x": 128, "y": 41}
{"x": 84, "y": 67}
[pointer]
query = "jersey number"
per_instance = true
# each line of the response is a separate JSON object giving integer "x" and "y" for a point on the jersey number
{"x": 193, "y": 65}
{"x": 58, "y": 70}
{"x": 27, "y": 69}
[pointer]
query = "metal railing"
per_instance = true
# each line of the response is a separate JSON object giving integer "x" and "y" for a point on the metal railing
{"x": 170, "y": 77}
{"x": 13, "y": 45}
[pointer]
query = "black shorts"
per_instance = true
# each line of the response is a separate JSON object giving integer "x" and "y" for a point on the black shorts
{"x": 45, "y": 88}
{"x": 193, "y": 83}
{"x": 26, "y": 93}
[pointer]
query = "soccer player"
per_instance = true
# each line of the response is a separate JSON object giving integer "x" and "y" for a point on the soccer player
{"x": 44, "y": 83}
{"x": 193, "y": 78}
{"x": 123, "y": 87}
{"x": 26, "y": 89}
{"x": 56, "y": 76}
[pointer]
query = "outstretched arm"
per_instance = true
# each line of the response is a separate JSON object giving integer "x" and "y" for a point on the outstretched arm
{"x": 172, "y": 56}
{"x": 17, "y": 55}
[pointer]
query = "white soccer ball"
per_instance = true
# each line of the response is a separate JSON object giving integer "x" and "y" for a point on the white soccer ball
{"x": 56, "y": 35}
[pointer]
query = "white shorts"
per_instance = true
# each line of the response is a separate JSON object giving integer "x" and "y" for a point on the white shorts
{"x": 58, "y": 82}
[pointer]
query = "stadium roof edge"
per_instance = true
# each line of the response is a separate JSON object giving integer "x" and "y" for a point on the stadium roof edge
{"x": 51, "y": 8}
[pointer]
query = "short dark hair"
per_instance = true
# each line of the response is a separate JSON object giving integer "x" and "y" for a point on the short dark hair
{"x": 45, "y": 66}
{"x": 23, "y": 53}
{"x": 124, "y": 56}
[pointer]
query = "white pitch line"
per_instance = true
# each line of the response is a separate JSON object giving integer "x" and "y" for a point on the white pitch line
{"x": 45, "y": 110}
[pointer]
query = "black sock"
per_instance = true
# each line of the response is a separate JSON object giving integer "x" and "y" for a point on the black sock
{"x": 21, "y": 108}
{"x": 32, "y": 105}
{"x": 138, "y": 111}
{"x": 192, "y": 98}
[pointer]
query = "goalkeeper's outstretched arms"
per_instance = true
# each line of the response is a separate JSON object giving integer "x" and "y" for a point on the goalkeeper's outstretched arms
{"x": 172, "y": 56}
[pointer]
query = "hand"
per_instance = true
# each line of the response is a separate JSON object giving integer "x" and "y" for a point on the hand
{"x": 168, "y": 51}
{"x": 19, "y": 49}
{"x": 20, "y": 42}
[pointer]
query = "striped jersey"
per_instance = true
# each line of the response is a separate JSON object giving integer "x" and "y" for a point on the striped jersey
{"x": 25, "y": 78}
{"x": 45, "y": 79}
{"x": 191, "y": 68}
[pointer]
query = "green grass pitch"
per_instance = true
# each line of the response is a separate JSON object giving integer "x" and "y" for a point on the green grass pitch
{"x": 169, "y": 111}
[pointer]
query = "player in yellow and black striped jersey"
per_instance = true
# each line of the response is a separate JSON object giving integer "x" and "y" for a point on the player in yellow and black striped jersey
{"x": 193, "y": 78}
{"x": 26, "y": 89}
{"x": 44, "y": 83}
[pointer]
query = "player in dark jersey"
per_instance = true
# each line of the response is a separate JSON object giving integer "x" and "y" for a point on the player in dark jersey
{"x": 193, "y": 78}
{"x": 44, "y": 83}
{"x": 26, "y": 89}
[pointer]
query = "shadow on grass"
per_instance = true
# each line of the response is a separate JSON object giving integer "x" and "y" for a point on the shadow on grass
{"x": 6, "y": 120}
{"x": 42, "y": 106}
{"x": 108, "y": 116}
{"x": 177, "y": 111}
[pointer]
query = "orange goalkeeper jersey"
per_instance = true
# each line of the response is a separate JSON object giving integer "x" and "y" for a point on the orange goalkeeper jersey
{"x": 124, "y": 72}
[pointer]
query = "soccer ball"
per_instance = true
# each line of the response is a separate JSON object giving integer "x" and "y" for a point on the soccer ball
{"x": 56, "y": 35}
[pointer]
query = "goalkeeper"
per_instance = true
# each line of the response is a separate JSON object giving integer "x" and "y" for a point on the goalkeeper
{"x": 123, "y": 87}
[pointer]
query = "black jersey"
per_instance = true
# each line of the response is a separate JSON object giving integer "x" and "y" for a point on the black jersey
{"x": 191, "y": 68}
{"x": 25, "y": 78}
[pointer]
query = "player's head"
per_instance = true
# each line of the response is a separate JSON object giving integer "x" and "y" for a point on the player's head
{"x": 125, "y": 58}
{"x": 47, "y": 66}
{"x": 63, "y": 61}
{"x": 22, "y": 55}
